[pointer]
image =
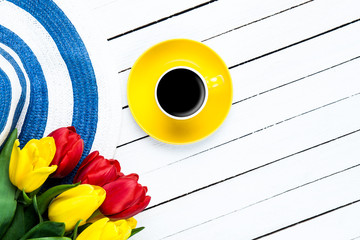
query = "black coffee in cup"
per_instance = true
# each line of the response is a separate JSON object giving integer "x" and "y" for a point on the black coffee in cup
{"x": 181, "y": 92}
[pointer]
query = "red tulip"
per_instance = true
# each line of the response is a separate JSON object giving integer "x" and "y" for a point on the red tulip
{"x": 96, "y": 170}
{"x": 69, "y": 148}
{"x": 125, "y": 197}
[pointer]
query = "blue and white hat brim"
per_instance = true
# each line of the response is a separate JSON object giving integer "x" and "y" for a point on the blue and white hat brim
{"x": 54, "y": 75}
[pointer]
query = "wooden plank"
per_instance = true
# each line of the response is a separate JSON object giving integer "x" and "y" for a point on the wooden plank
{"x": 340, "y": 224}
{"x": 275, "y": 70}
{"x": 244, "y": 43}
{"x": 248, "y": 153}
{"x": 250, "y": 116}
{"x": 121, "y": 17}
{"x": 83, "y": 6}
{"x": 284, "y": 30}
{"x": 261, "y": 201}
{"x": 115, "y": 17}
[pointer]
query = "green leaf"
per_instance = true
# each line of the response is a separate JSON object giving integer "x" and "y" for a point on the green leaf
{"x": 136, "y": 230}
{"x": 25, "y": 218}
{"x": 46, "y": 229}
{"x": 17, "y": 228}
{"x": 7, "y": 190}
{"x": 50, "y": 238}
{"x": 44, "y": 199}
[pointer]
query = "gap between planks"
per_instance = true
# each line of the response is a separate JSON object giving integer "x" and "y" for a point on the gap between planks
{"x": 258, "y": 20}
{"x": 215, "y": 36}
{"x": 259, "y": 167}
{"x": 161, "y": 20}
{"x": 296, "y": 43}
{"x": 305, "y": 160}
{"x": 278, "y": 195}
{"x": 308, "y": 219}
{"x": 259, "y": 130}
{"x": 338, "y": 223}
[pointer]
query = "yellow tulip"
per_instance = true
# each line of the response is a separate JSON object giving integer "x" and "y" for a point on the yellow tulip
{"x": 29, "y": 167}
{"x": 132, "y": 222}
{"x": 78, "y": 203}
{"x": 104, "y": 229}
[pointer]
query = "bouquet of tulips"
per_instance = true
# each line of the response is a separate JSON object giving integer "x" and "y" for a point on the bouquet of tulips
{"x": 99, "y": 204}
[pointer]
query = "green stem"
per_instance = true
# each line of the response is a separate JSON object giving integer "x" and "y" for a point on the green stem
{"x": 17, "y": 193}
{"x": 37, "y": 209}
{"x": 75, "y": 233}
{"x": 27, "y": 200}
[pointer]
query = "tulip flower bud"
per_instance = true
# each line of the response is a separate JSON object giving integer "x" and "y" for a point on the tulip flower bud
{"x": 97, "y": 170}
{"x": 69, "y": 148}
{"x": 125, "y": 197}
{"x": 104, "y": 229}
{"x": 29, "y": 167}
{"x": 78, "y": 203}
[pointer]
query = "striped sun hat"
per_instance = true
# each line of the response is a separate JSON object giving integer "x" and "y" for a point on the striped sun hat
{"x": 53, "y": 74}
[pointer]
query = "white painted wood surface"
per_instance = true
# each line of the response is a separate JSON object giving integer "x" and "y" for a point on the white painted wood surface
{"x": 286, "y": 162}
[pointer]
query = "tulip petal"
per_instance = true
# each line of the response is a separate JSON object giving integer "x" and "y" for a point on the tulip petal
{"x": 62, "y": 166}
{"x": 35, "y": 179}
{"x": 71, "y": 158}
{"x": 118, "y": 230}
{"x": 116, "y": 164}
{"x": 119, "y": 194}
{"x": 59, "y": 136}
{"x": 80, "y": 175}
{"x": 132, "y": 222}
{"x": 132, "y": 176}
{"x": 47, "y": 149}
{"x": 93, "y": 232}
{"x": 89, "y": 159}
{"x": 20, "y": 163}
{"x": 29, "y": 167}
{"x": 68, "y": 162}
{"x": 125, "y": 198}
{"x": 101, "y": 176}
{"x": 83, "y": 189}
{"x": 41, "y": 152}
{"x": 97, "y": 170}
{"x": 132, "y": 211}
{"x": 76, "y": 204}
{"x": 69, "y": 148}
{"x": 64, "y": 210}
{"x": 14, "y": 161}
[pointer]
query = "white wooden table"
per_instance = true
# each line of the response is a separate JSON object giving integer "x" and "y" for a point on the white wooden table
{"x": 286, "y": 162}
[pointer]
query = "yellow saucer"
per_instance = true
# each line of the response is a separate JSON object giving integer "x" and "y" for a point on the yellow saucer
{"x": 148, "y": 69}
